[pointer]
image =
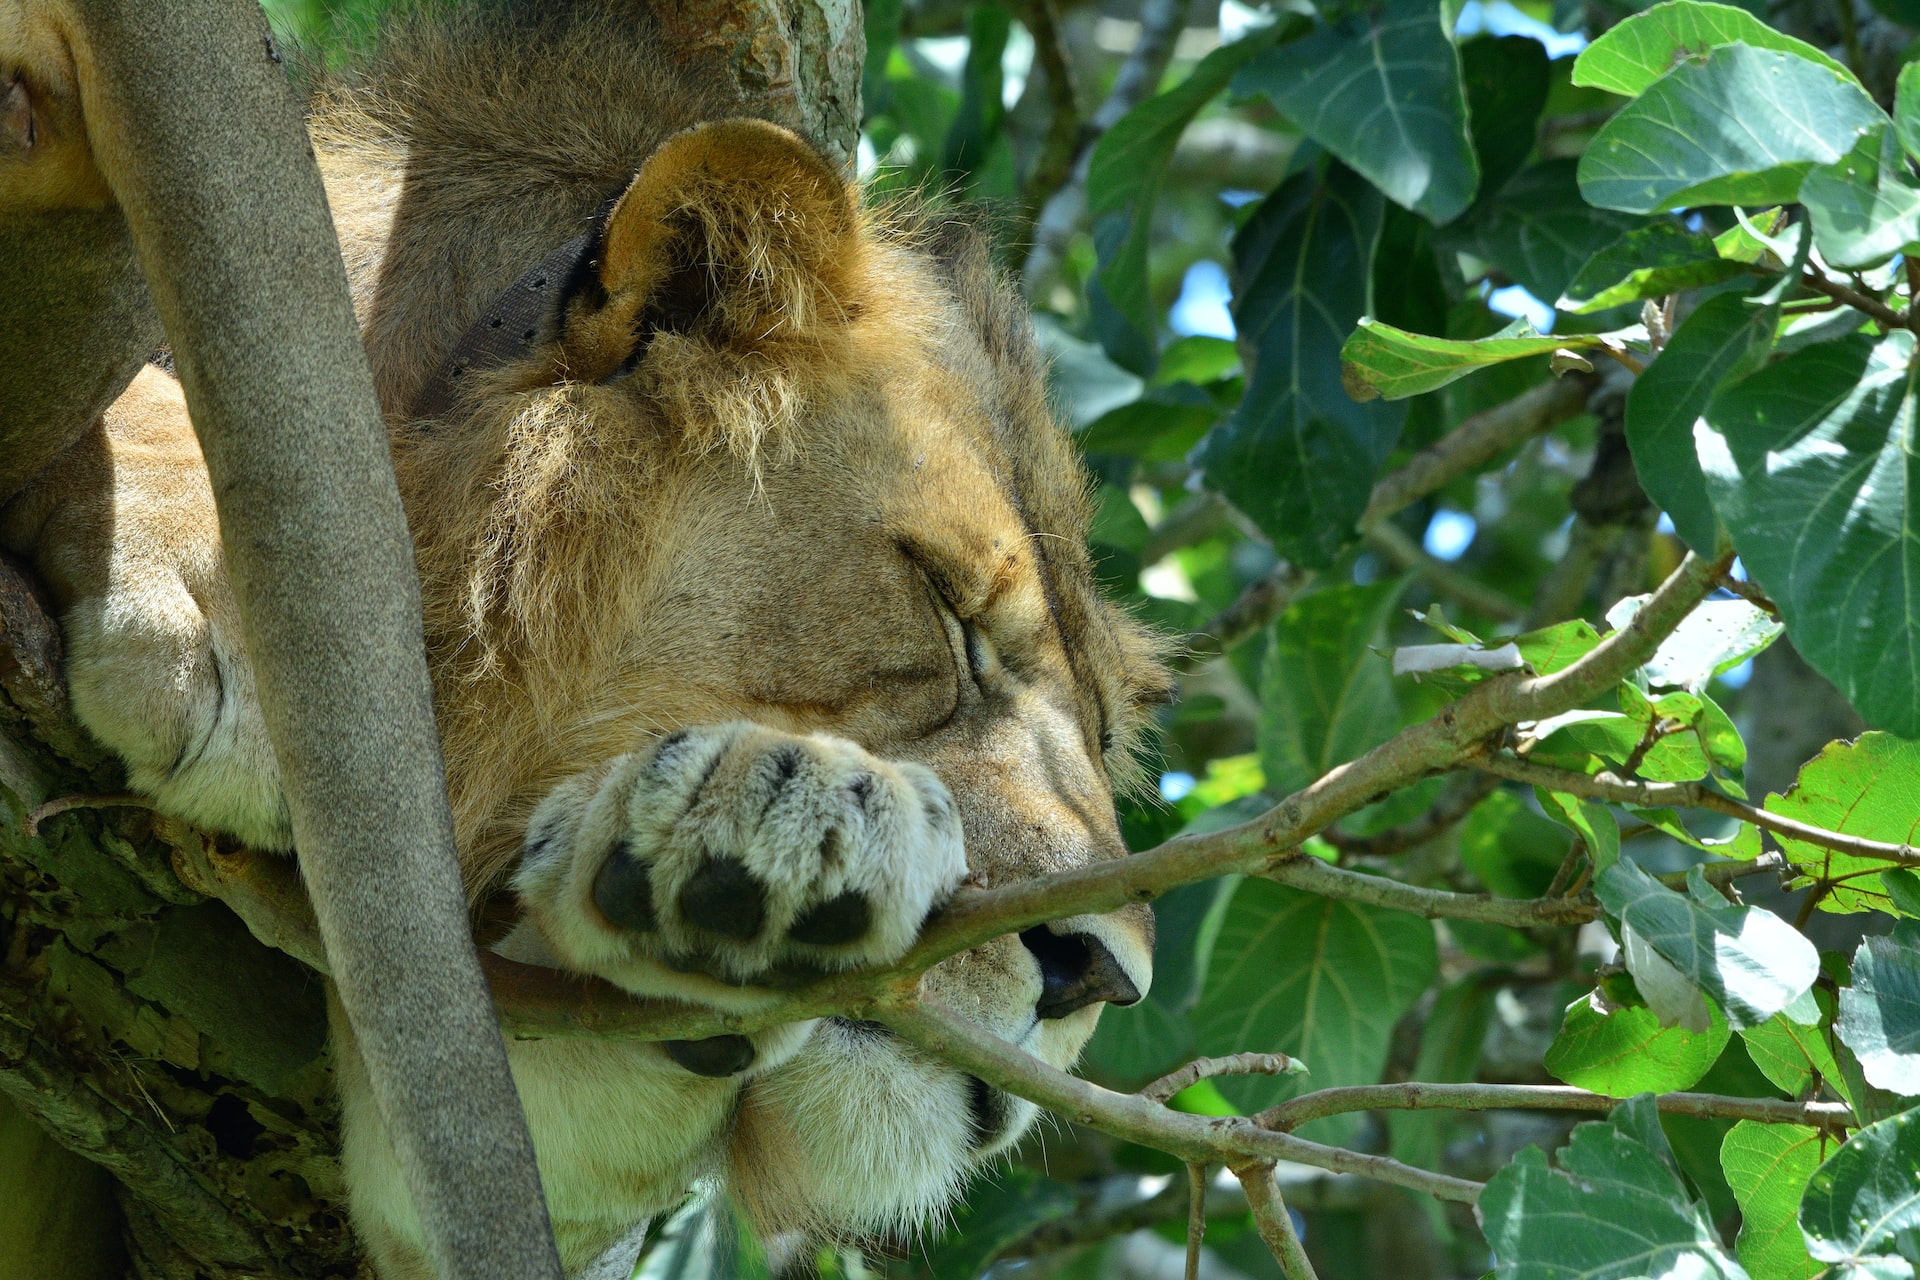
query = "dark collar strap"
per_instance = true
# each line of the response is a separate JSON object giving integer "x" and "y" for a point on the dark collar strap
{"x": 526, "y": 313}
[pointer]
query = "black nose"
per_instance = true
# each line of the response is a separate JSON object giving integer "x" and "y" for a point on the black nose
{"x": 1076, "y": 970}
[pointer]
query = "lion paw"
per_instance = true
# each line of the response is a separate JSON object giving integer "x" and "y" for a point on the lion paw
{"x": 737, "y": 854}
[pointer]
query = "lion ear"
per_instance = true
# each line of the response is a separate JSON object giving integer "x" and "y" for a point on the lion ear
{"x": 735, "y": 231}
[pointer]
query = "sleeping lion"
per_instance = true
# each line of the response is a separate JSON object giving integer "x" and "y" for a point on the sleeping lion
{"x": 758, "y": 607}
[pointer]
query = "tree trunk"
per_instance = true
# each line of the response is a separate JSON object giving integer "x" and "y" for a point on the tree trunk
{"x": 165, "y": 1100}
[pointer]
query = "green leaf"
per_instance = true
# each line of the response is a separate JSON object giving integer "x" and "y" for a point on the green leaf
{"x": 1790, "y": 1054}
{"x": 1540, "y": 231}
{"x": 1510, "y": 849}
{"x": 1159, "y": 427}
{"x": 1758, "y": 245}
{"x": 1450, "y": 1046}
{"x": 1880, "y": 1013}
{"x": 1559, "y": 646}
{"x": 997, "y": 1211}
{"x": 1627, "y": 1051}
{"x": 1906, "y": 109}
{"x": 1299, "y": 457}
{"x": 1325, "y": 696}
{"x": 1593, "y": 823}
{"x": 1808, "y": 464}
{"x": 1324, "y": 981}
{"x": 1726, "y": 335}
{"x": 1506, "y": 79}
{"x": 1384, "y": 95}
{"x": 1868, "y": 787}
{"x": 1615, "y": 1210}
{"x": 1768, "y": 1165}
{"x": 1630, "y": 56}
{"x": 1715, "y": 638}
{"x": 1865, "y": 1193}
{"x": 1649, "y": 262}
{"x": 1128, "y": 163}
{"x": 1742, "y": 126}
{"x": 1748, "y": 960}
{"x": 1903, "y": 891}
{"x": 1865, "y": 207}
{"x": 1380, "y": 360}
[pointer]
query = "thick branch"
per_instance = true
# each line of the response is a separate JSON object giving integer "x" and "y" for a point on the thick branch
{"x": 1692, "y": 795}
{"x": 1221, "y": 1139}
{"x": 1295, "y": 1112}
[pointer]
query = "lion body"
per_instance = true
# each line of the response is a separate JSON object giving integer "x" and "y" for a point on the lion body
{"x": 774, "y": 548}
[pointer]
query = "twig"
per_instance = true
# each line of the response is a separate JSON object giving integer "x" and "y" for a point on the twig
{"x": 1196, "y": 1215}
{"x": 1753, "y": 595}
{"x": 1456, "y": 802}
{"x": 1197, "y": 518}
{"x": 62, "y": 804}
{"x": 1239, "y": 1064}
{"x": 1217, "y": 1139}
{"x": 1262, "y": 601}
{"x": 1397, "y": 545}
{"x": 1271, "y": 1219}
{"x": 1295, "y": 1112}
{"x": 1477, "y": 441}
{"x": 1303, "y": 871}
{"x": 1138, "y": 79}
{"x": 1692, "y": 795}
{"x": 1053, "y": 166}
{"x": 1880, "y": 311}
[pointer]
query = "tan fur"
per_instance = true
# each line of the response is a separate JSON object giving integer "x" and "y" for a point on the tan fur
{"x": 826, "y": 515}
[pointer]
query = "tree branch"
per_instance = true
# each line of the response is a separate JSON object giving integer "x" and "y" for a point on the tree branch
{"x": 1053, "y": 166}
{"x": 1477, "y": 441}
{"x": 1289, "y": 1115}
{"x": 1692, "y": 795}
{"x": 1271, "y": 1219}
{"x": 1238, "y": 1064}
{"x": 1216, "y": 1139}
{"x": 1138, "y": 79}
{"x": 1456, "y": 802}
{"x": 1263, "y": 600}
{"x": 1880, "y": 311}
{"x": 1393, "y": 542}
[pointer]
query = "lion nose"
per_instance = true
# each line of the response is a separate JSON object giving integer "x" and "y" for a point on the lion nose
{"x": 1076, "y": 970}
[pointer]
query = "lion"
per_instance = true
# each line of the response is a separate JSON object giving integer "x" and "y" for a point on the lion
{"x": 758, "y": 608}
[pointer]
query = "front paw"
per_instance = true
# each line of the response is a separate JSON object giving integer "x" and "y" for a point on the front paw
{"x": 737, "y": 854}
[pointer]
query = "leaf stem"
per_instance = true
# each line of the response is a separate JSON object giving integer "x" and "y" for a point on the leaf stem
{"x": 1887, "y": 317}
{"x": 1414, "y": 1096}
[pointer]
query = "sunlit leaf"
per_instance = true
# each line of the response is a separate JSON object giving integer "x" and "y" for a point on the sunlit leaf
{"x": 1869, "y": 787}
{"x": 1628, "y": 57}
{"x": 1380, "y": 360}
{"x": 1866, "y": 1194}
{"x": 1739, "y": 126}
{"x": 1649, "y": 262}
{"x": 1768, "y": 1165}
{"x": 1626, "y": 1051}
{"x": 1880, "y": 1013}
{"x": 1865, "y": 207}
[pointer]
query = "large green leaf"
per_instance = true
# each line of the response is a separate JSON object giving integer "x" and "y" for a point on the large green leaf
{"x": 1633, "y": 54}
{"x": 1865, "y": 207}
{"x": 1380, "y": 360}
{"x": 1866, "y": 1194}
{"x": 1741, "y": 126}
{"x": 1506, "y": 79}
{"x": 1300, "y": 456}
{"x": 1768, "y": 1165}
{"x": 1810, "y": 464}
{"x": 1128, "y": 163}
{"x": 1539, "y": 230}
{"x": 1627, "y": 1051}
{"x": 1325, "y": 695}
{"x": 1322, "y": 980}
{"x": 1616, "y": 1209}
{"x": 1650, "y": 262}
{"x": 1906, "y": 108}
{"x": 1751, "y": 962}
{"x": 1384, "y": 95}
{"x": 1880, "y": 1013}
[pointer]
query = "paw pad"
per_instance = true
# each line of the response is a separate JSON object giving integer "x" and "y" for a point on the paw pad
{"x": 835, "y": 922}
{"x": 624, "y": 892}
{"x": 716, "y": 1056}
{"x": 723, "y": 897}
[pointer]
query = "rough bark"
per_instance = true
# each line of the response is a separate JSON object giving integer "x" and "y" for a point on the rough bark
{"x": 165, "y": 1105}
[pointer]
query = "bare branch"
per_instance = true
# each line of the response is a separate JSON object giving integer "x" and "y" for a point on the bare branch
{"x": 1289, "y": 1115}
{"x": 1053, "y": 166}
{"x": 1455, "y": 803}
{"x": 1271, "y": 1219}
{"x": 1217, "y": 1139}
{"x": 1263, "y": 600}
{"x": 1196, "y": 1216}
{"x": 1478, "y": 441}
{"x": 1692, "y": 795}
{"x": 1138, "y": 79}
{"x": 1880, "y": 311}
{"x": 1394, "y": 543}
{"x": 1239, "y": 1064}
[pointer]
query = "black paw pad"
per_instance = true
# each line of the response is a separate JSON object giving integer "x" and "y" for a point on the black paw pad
{"x": 724, "y": 898}
{"x": 624, "y": 892}
{"x": 716, "y": 1056}
{"x": 836, "y": 921}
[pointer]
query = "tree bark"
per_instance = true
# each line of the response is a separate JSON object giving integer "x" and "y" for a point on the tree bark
{"x": 165, "y": 1101}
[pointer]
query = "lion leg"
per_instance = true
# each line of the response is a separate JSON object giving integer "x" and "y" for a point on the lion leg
{"x": 736, "y": 854}
{"x": 122, "y": 528}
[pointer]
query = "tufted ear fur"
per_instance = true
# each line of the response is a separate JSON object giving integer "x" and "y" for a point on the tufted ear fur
{"x": 735, "y": 232}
